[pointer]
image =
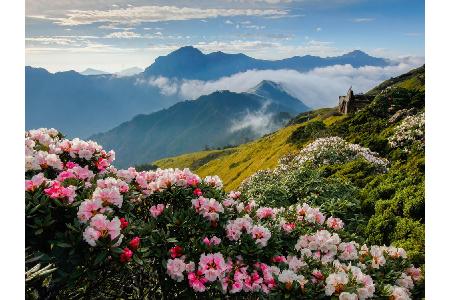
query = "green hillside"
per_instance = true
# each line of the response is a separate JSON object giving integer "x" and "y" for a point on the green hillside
{"x": 385, "y": 207}
{"x": 233, "y": 165}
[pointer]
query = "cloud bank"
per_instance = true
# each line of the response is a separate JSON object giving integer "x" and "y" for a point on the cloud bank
{"x": 317, "y": 88}
{"x": 152, "y": 13}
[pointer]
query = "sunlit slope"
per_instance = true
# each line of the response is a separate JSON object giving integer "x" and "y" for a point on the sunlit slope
{"x": 233, "y": 165}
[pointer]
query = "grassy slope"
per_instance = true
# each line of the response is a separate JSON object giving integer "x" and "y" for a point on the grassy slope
{"x": 264, "y": 153}
{"x": 235, "y": 164}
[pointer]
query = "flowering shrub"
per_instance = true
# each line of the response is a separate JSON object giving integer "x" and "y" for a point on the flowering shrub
{"x": 333, "y": 150}
{"x": 168, "y": 233}
{"x": 409, "y": 133}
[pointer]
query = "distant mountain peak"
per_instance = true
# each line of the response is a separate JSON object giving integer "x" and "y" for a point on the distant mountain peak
{"x": 266, "y": 86}
{"x": 91, "y": 71}
{"x": 356, "y": 53}
{"x": 186, "y": 50}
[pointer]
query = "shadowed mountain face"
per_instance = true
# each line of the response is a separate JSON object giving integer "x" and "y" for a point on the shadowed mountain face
{"x": 80, "y": 105}
{"x": 216, "y": 120}
{"x": 190, "y": 63}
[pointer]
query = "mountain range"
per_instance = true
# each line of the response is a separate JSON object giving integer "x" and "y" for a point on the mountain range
{"x": 82, "y": 105}
{"x": 126, "y": 72}
{"x": 190, "y": 63}
{"x": 216, "y": 120}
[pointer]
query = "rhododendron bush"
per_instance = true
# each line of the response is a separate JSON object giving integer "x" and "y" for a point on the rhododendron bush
{"x": 112, "y": 233}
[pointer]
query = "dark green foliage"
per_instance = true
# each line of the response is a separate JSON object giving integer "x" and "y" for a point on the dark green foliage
{"x": 146, "y": 167}
{"x": 211, "y": 156}
{"x": 310, "y": 131}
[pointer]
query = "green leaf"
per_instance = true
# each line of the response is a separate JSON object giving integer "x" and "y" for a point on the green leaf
{"x": 63, "y": 245}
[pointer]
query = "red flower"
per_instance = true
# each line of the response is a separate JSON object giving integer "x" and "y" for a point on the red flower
{"x": 198, "y": 192}
{"x": 134, "y": 243}
{"x": 126, "y": 255}
{"x": 123, "y": 223}
{"x": 176, "y": 251}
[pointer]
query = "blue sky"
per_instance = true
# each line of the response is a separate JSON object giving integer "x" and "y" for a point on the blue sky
{"x": 114, "y": 35}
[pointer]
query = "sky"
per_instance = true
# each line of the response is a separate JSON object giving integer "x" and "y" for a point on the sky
{"x": 117, "y": 34}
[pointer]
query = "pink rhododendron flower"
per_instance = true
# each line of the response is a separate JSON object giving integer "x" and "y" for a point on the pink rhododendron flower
{"x": 105, "y": 227}
{"x": 348, "y": 296}
{"x": 35, "y": 182}
{"x": 335, "y": 223}
{"x": 236, "y": 227}
{"x": 175, "y": 268}
{"x": 214, "y": 241}
{"x": 208, "y": 208}
{"x": 348, "y": 251}
{"x": 405, "y": 281}
{"x": 197, "y": 281}
{"x": 265, "y": 213}
{"x": 288, "y": 227}
{"x": 398, "y": 293}
{"x": 318, "y": 276}
{"x": 90, "y": 235}
{"x": 70, "y": 165}
{"x": 212, "y": 265}
{"x": 88, "y": 208}
{"x": 214, "y": 181}
{"x": 335, "y": 283}
{"x": 415, "y": 273}
{"x": 157, "y": 210}
{"x": 278, "y": 259}
{"x": 234, "y": 195}
{"x": 57, "y": 191}
{"x": 261, "y": 235}
{"x": 295, "y": 264}
{"x": 102, "y": 163}
{"x": 377, "y": 257}
{"x": 108, "y": 196}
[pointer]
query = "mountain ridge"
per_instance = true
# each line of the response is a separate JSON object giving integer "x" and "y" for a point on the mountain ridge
{"x": 189, "y": 62}
{"x": 191, "y": 124}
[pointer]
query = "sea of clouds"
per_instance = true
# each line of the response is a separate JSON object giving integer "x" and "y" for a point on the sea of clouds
{"x": 317, "y": 88}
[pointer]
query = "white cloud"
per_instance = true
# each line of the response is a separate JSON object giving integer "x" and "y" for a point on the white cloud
{"x": 139, "y": 14}
{"x": 167, "y": 86}
{"x": 319, "y": 29}
{"x": 363, "y": 20}
{"x": 317, "y": 88}
{"x": 115, "y": 27}
{"x": 266, "y": 1}
{"x": 259, "y": 122}
{"x": 229, "y": 22}
{"x": 123, "y": 35}
{"x": 256, "y": 27}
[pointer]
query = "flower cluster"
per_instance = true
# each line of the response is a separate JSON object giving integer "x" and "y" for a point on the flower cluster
{"x": 44, "y": 149}
{"x": 208, "y": 208}
{"x": 411, "y": 131}
{"x": 207, "y": 240}
{"x": 334, "y": 150}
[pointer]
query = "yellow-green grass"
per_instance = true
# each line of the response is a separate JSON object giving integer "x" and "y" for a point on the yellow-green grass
{"x": 233, "y": 165}
{"x": 184, "y": 160}
{"x": 244, "y": 160}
